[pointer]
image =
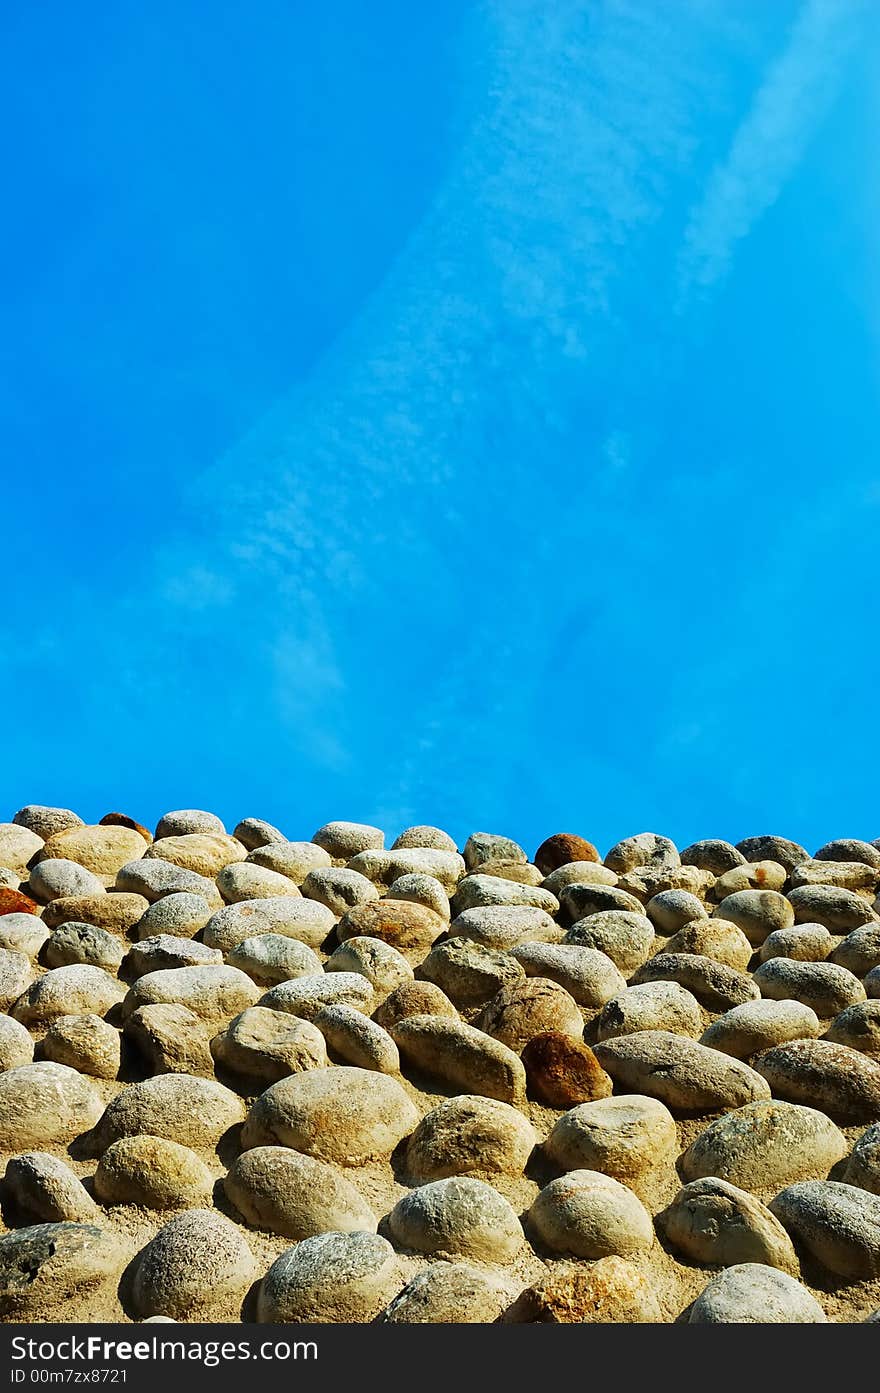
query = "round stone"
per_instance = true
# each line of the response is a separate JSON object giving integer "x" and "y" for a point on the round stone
{"x": 51, "y": 879}
{"x": 306, "y": 996}
{"x": 422, "y": 836}
{"x": 716, "y": 986}
{"x": 269, "y": 1045}
{"x": 588, "y": 975}
{"x": 171, "y": 1039}
{"x": 860, "y": 950}
{"x": 449, "y": 1293}
{"x": 578, "y": 873}
{"x": 253, "y": 832}
{"x": 46, "y": 1191}
{"x": 18, "y": 845}
{"x": 651, "y": 1006}
{"x": 645, "y": 849}
{"x": 562, "y": 1072}
{"x": 195, "y": 1112}
{"x": 809, "y": 943}
{"x": 626, "y": 1137}
{"x": 334, "y": 1278}
{"x": 490, "y": 846}
{"x": 84, "y": 943}
{"x": 470, "y": 1134}
{"x": 370, "y": 1114}
{"x": 623, "y": 936}
{"x": 340, "y": 890}
{"x": 244, "y": 881}
{"x": 413, "y": 999}
{"x": 342, "y": 840}
{"x": 714, "y": 938}
{"x": 712, "y": 855}
{"x": 757, "y": 912}
{"x": 469, "y": 973}
{"x": 76, "y": 990}
{"x": 753, "y": 1294}
{"x": 561, "y": 849}
{"x": 849, "y": 849}
{"x": 582, "y": 901}
{"x": 838, "y": 909}
{"x": 863, "y": 1166}
{"x": 213, "y": 993}
{"x": 838, "y": 1224}
{"x": 504, "y": 926}
{"x": 476, "y": 891}
{"x": 183, "y": 915}
{"x": 273, "y": 958}
{"x": 85, "y": 1043}
{"x": 710, "y": 1221}
{"x": 858, "y": 1027}
{"x": 518, "y": 1012}
{"x": 196, "y": 1266}
{"x": 764, "y": 1146}
{"x": 769, "y": 848}
{"x": 457, "y": 1217}
{"x": 22, "y": 933}
{"x": 101, "y": 850}
{"x": 825, "y": 987}
{"x": 152, "y": 1173}
{"x": 186, "y": 822}
{"x": 840, "y": 1081}
{"x": 284, "y": 1192}
{"x": 686, "y": 1076}
{"x": 460, "y": 1056}
{"x": 587, "y": 1214}
{"x": 117, "y": 912}
{"x": 45, "y": 822}
{"x": 410, "y": 928}
{"x": 152, "y": 878}
{"x": 305, "y": 920}
{"x": 164, "y": 952}
{"x": 295, "y": 860}
{"x": 357, "y": 1040}
{"x": 758, "y": 1025}
{"x": 609, "y": 1291}
{"x": 45, "y": 1104}
{"x": 16, "y": 1045}
{"x": 46, "y": 1267}
{"x": 15, "y": 975}
{"x": 383, "y": 966}
{"x": 418, "y": 888}
{"x": 672, "y": 909}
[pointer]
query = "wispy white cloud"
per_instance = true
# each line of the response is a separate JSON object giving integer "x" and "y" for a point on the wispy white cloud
{"x": 769, "y": 142}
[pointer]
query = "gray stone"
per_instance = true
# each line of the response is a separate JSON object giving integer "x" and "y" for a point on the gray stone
{"x": 753, "y": 1294}
{"x": 863, "y": 1166}
{"x": 253, "y": 832}
{"x": 51, "y": 879}
{"x": 302, "y": 919}
{"x": 825, "y": 987}
{"x": 284, "y": 1192}
{"x": 586, "y": 1214}
{"x": 769, "y": 848}
{"x": 645, "y": 849}
{"x": 840, "y": 1081}
{"x": 457, "y": 1217}
{"x": 468, "y": 972}
{"x": 849, "y": 849}
{"x": 45, "y": 1267}
{"x": 331, "y": 1279}
{"x": 183, "y": 914}
{"x": 213, "y": 993}
{"x": 489, "y": 846}
{"x": 383, "y": 966}
{"x": 306, "y": 996}
{"x": 46, "y": 1191}
{"x": 418, "y": 888}
{"x": 578, "y": 873}
{"x": 758, "y": 1025}
{"x": 273, "y": 958}
{"x": 848, "y": 875}
{"x": 339, "y": 888}
{"x": 450, "y": 1293}
{"x": 84, "y": 943}
{"x": 808, "y": 943}
{"x": 476, "y": 891}
{"x": 413, "y": 999}
{"x": 461, "y": 1056}
{"x": 171, "y": 1038}
{"x": 76, "y": 990}
{"x": 195, "y": 1112}
{"x": 839, "y": 910}
{"x": 433, "y": 837}
{"x": 186, "y": 822}
{"x": 504, "y": 926}
{"x": 383, "y": 868}
{"x": 757, "y": 912}
{"x": 45, "y": 1104}
{"x": 715, "y": 986}
{"x": 470, "y": 1134}
{"x": 154, "y": 878}
{"x": 580, "y": 901}
{"x": 651, "y": 1006}
{"x": 710, "y": 1221}
{"x": 765, "y": 1145}
{"x": 712, "y": 855}
{"x": 295, "y": 860}
{"x": 152, "y": 1173}
{"x": 269, "y": 1045}
{"x": 684, "y": 1075}
{"x": 164, "y": 952}
{"x": 22, "y": 933}
{"x": 244, "y": 881}
{"x": 45, "y": 822}
{"x": 16, "y": 974}
{"x": 357, "y": 1040}
{"x": 370, "y": 1114}
{"x": 672, "y": 909}
{"x": 589, "y": 976}
{"x": 626, "y": 1137}
{"x": 839, "y": 1224}
{"x": 860, "y": 950}
{"x": 197, "y": 1265}
{"x": 858, "y": 1027}
{"x": 342, "y": 840}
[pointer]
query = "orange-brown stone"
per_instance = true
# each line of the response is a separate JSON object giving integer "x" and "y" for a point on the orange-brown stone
{"x": 14, "y": 902}
{"x": 562, "y": 1071}
{"x": 123, "y": 820}
{"x": 561, "y": 848}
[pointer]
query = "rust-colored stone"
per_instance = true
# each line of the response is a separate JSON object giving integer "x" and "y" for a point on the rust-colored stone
{"x": 562, "y": 1071}
{"x": 123, "y": 820}
{"x": 14, "y": 902}
{"x": 610, "y": 1290}
{"x": 562, "y": 848}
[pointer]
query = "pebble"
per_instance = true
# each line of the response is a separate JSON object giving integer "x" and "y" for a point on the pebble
{"x": 85, "y": 1043}
{"x": 587, "y": 1214}
{"x": 371, "y": 1113}
{"x": 206, "y": 853}
{"x": 269, "y": 1045}
{"x": 672, "y": 909}
{"x": 101, "y": 850}
{"x": 609, "y": 1291}
{"x": 460, "y": 1056}
{"x": 418, "y": 888}
{"x": 504, "y": 926}
{"x": 63, "y": 991}
{"x": 420, "y": 837}
{"x": 116, "y": 912}
{"x": 858, "y": 1027}
{"x": 410, "y": 928}
{"x": 522, "y": 874}
{"x": 45, "y": 1104}
{"x": 244, "y": 881}
{"x": 863, "y": 1166}
{"x": 457, "y": 1217}
{"x": 339, "y": 889}
{"x": 152, "y": 1173}
{"x": 196, "y": 1265}
{"x": 342, "y": 840}
{"x": 757, "y": 912}
{"x": 528, "y": 1008}
{"x": 589, "y": 976}
{"x": 713, "y": 938}
{"x": 185, "y": 822}
{"x": 626, "y": 1137}
{"x": 476, "y": 891}
{"x": 22, "y": 933}
{"x": 193, "y": 1111}
{"x": 650, "y": 1006}
{"x": 334, "y": 1278}
{"x": 713, "y": 1222}
{"x": 45, "y": 822}
{"x": 838, "y": 1224}
{"x": 715, "y": 986}
{"x": 788, "y": 854}
{"x": 18, "y": 845}
{"x": 808, "y": 943}
{"x": 840, "y": 1081}
{"x": 757, "y": 1025}
{"x": 16, "y": 974}
{"x": 578, "y": 873}
{"x": 253, "y": 832}
{"x": 470, "y": 1134}
{"x": 164, "y": 952}
{"x": 213, "y": 993}
{"x": 152, "y": 878}
{"x": 171, "y": 1039}
{"x": 382, "y": 868}
{"x": 579, "y": 901}
{"x": 765, "y": 1145}
{"x": 50, "y": 880}
{"x": 357, "y": 1040}
{"x": 750, "y": 875}
{"x": 645, "y": 849}
{"x": 306, "y": 996}
{"x": 16, "y": 1045}
{"x": 306, "y": 920}
{"x": 45, "y": 1267}
{"x": 450, "y": 1293}
{"x": 295, "y": 860}
{"x": 46, "y": 1191}
{"x": 413, "y": 999}
{"x": 561, "y": 849}
{"x": 84, "y": 943}
{"x": 860, "y": 950}
{"x": 753, "y": 1294}
{"x": 712, "y": 855}
{"x": 684, "y": 1075}
{"x": 284, "y": 1192}
{"x": 825, "y": 987}
{"x": 488, "y": 846}
{"x": 383, "y": 966}
{"x": 839, "y": 910}
{"x": 272, "y": 958}
{"x": 562, "y": 1071}
{"x": 849, "y": 849}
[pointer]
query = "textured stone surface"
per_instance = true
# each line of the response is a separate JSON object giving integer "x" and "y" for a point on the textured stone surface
{"x": 764, "y": 1146}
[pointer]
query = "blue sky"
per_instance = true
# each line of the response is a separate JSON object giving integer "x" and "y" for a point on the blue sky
{"x": 460, "y": 413}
